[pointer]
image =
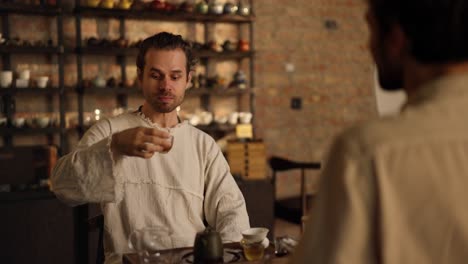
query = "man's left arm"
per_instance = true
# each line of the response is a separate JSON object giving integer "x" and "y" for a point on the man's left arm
{"x": 224, "y": 204}
{"x": 342, "y": 227}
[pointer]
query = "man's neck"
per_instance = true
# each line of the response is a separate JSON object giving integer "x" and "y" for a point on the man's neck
{"x": 417, "y": 74}
{"x": 162, "y": 119}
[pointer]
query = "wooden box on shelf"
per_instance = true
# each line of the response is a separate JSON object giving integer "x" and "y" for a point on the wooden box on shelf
{"x": 247, "y": 159}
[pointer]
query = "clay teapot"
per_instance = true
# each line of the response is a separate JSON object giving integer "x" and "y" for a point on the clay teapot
{"x": 208, "y": 247}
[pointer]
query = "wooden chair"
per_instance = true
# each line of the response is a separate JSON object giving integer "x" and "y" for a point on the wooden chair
{"x": 97, "y": 223}
{"x": 279, "y": 164}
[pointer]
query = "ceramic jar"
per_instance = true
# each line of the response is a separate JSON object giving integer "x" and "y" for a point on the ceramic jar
{"x": 230, "y": 8}
{"x": 216, "y": 8}
{"x": 244, "y": 9}
{"x": 107, "y": 4}
{"x": 243, "y": 45}
{"x": 202, "y": 8}
{"x": 158, "y": 5}
{"x": 93, "y": 3}
{"x": 125, "y": 4}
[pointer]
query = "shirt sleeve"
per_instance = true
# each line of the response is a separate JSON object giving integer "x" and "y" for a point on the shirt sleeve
{"x": 341, "y": 227}
{"x": 224, "y": 204}
{"x": 88, "y": 173}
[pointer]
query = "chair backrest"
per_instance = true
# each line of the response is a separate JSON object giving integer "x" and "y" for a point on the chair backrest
{"x": 281, "y": 164}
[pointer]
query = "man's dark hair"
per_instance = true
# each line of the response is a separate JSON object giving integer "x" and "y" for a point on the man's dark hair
{"x": 437, "y": 30}
{"x": 165, "y": 41}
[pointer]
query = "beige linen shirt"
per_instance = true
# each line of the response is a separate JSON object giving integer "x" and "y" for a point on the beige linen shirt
{"x": 395, "y": 190}
{"x": 178, "y": 189}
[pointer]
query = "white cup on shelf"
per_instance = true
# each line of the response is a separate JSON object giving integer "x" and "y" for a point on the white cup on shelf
{"x": 6, "y": 78}
{"x": 24, "y": 74}
{"x": 22, "y": 83}
{"x": 233, "y": 118}
{"x": 42, "y": 81}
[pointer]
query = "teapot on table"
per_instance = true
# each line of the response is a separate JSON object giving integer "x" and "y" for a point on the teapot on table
{"x": 208, "y": 247}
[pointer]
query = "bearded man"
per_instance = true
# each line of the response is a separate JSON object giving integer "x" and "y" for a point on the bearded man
{"x": 394, "y": 189}
{"x": 147, "y": 168}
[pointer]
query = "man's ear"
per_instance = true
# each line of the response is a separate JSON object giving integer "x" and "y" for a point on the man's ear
{"x": 189, "y": 80}
{"x": 139, "y": 74}
{"x": 397, "y": 42}
{"x": 139, "y": 79}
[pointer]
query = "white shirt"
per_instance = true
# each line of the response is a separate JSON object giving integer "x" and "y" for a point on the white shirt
{"x": 177, "y": 190}
{"x": 395, "y": 190}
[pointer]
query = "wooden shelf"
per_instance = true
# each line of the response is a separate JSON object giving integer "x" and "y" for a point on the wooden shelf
{"x": 203, "y": 54}
{"x": 39, "y": 194}
{"x": 225, "y": 55}
{"x": 213, "y": 127}
{"x": 136, "y": 91}
{"x": 7, "y": 49}
{"x": 110, "y": 90}
{"x": 29, "y": 131}
{"x": 216, "y": 91}
{"x": 25, "y": 9}
{"x": 107, "y": 51}
{"x": 176, "y": 16}
{"x": 45, "y": 91}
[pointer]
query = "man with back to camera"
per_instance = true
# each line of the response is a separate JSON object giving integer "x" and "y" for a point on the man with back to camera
{"x": 394, "y": 189}
{"x": 147, "y": 168}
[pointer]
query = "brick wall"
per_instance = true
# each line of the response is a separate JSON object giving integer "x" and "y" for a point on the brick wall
{"x": 325, "y": 40}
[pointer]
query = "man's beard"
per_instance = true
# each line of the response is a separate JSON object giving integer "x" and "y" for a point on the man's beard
{"x": 161, "y": 107}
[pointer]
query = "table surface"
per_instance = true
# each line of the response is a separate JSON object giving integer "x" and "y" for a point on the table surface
{"x": 180, "y": 254}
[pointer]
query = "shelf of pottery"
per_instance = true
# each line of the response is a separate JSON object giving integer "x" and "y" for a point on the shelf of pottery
{"x": 225, "y": 74}
{"x": 221, "y": 94}
{"x": 20, "y": 84}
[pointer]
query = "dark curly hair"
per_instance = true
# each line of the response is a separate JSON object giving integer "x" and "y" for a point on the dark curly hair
{"x": 437, "y": 30}
{"x": 165, "y": 41}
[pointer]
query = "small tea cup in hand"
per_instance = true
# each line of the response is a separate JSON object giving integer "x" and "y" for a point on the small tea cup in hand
{"x": 170, "y": 140}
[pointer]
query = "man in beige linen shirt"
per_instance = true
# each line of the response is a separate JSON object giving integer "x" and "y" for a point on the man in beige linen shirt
{"x": 394, "y": 190}
{"x": 147, "y": 168}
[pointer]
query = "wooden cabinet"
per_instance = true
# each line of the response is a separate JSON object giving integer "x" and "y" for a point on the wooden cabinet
{"x": 247, "y": 159}
{"x": 36, "y": 228}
